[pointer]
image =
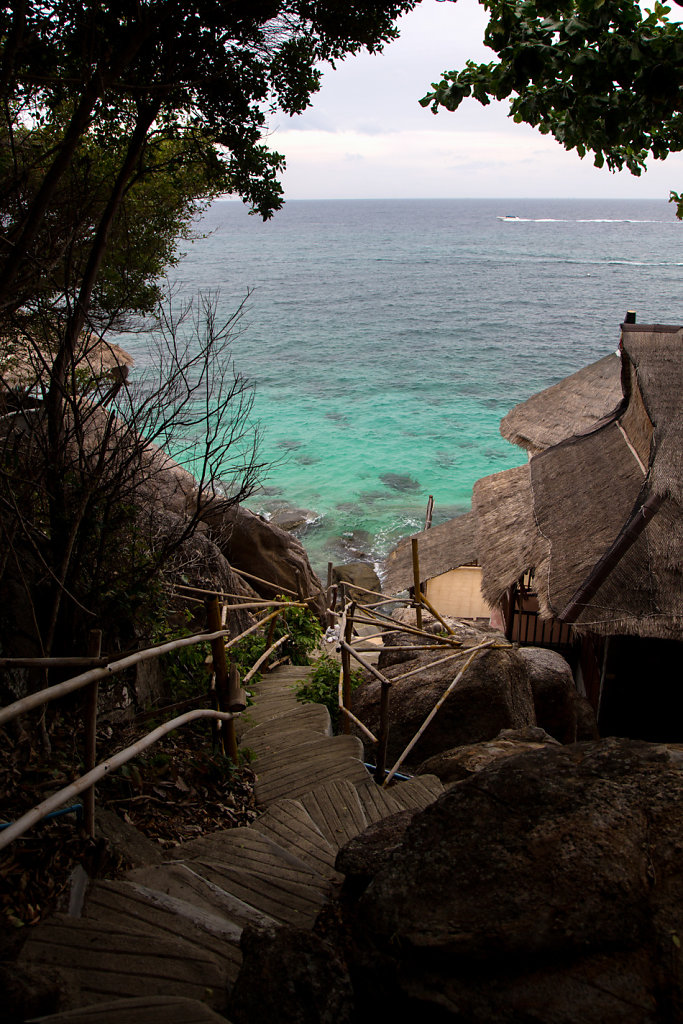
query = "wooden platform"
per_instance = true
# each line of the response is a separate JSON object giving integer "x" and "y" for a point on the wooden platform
{"x": 164, "y": 943}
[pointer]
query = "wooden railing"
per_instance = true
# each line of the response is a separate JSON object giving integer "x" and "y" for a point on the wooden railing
{"x": 226, "y": 692}
{"x": 348, "y": 616}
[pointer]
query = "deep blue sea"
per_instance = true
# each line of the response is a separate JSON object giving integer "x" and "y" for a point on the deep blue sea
{"x": 386, "y": 339}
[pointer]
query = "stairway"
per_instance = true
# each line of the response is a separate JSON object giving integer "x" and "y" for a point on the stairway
{"x": 165, "y": 940}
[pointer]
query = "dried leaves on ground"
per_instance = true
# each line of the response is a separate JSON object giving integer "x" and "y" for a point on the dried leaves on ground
{"x": 179, "y": 789}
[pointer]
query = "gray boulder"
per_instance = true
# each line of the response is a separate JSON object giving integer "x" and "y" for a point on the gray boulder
{"x": 265, "y": 551}
{"x": 545, "y": 888}
{"x": 360, "y": 573}
{"x": 560, "y": 709}
{"x": 494, "y": 694}
{"x": 462, "y": 762}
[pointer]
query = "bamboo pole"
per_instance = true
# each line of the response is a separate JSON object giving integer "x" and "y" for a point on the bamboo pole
{"x": 266, "y": 654}
{"x": 226, "y": 736}
{"x": 429, "y": 513}
{"x": 473, "y": 653}
{"x": 416, "y": 583}
{"x": 57, "y": 800}
{"x": 403, "y": 627}
{"x": 430, "y": 664}
{"x": 275, "y": 586}
{"x": 346, "y": 662}
{"x": 432, "y": 609}
{"x": 366, "y": 664}
{"x": 90, "y": 721}
{"x": 349, "y": 714}
{"x": 34, "y": 700}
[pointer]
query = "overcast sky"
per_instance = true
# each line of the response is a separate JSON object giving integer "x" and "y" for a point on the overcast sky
{"x": 366, "y": 135}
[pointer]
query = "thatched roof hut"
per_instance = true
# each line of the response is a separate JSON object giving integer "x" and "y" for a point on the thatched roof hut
{"x": 574, "y": 406}
{"x": 442, "y": 548}
{"x": 576, "y": 513}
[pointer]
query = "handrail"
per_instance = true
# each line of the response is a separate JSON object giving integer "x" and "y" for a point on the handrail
{"x": 44, "y": 696}
{"x": 51, "y": 803}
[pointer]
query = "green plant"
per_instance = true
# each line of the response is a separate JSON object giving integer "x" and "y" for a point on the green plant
{"x": 304, "y": 629}
{"x": 322, "y": 687}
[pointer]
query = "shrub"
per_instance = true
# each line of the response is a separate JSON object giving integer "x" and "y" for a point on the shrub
{"x": 322, "y": 687}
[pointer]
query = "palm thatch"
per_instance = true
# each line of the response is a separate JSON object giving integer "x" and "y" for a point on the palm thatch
{"x": 441, "y": 548}
{"x": 581, "y": 496}
{"x": 508, "y": 539}
{"x": 574, "y": 406}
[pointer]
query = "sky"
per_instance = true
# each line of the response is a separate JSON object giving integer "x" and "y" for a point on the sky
{"x": 366, "y": 136}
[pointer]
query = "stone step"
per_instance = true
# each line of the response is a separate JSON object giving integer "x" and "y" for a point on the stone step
{"x": 131, "y": 905}
{"x": 336, "y": 809}
{"x": 140, "y": 1010}
{"x": 296, "y": 772}
{"x": 290, "y": 825}
{"x": 420, "y": 791}
{"x": 377, "y": 803}
{"x": 248, "y": 850}
{"x": 182, "y": 881}
{"x": 293, "y": 900}
{"x": 313, "y": 717}
{"x": 104, "y": 963}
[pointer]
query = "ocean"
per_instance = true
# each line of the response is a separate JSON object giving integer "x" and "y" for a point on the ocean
{"x": 385, "y": 339}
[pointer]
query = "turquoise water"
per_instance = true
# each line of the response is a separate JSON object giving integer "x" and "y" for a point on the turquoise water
{"x": 386, "y": 339}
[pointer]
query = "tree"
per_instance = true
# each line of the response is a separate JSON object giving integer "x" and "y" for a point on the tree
{"x": 118, "y": 121}
{"x": 601, "y": 76}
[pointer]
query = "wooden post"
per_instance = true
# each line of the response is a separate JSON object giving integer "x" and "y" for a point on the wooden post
{"x": 271, "y": 636}
{"x": 346, "y": 667}
{"x": 430, "y": 511}
{"x": 237, "y": 698}
{"x": 90, "y": 715}
{"x": 228, "y": 739}
{"x": 383, "y": 734}
{"x": 330, "y": 567}
{"x": 416, "y": 584}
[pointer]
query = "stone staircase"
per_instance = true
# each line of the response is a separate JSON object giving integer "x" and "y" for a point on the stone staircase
{"x": 164, "y": 942}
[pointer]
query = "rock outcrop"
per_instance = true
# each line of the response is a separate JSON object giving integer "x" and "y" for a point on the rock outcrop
{"x": 462, "y": 762}
{"x": 358, "y": 574}
{"x": 545, "y": 888}
{"x": 560, "y": 709}
{"x": 494, "y": 694}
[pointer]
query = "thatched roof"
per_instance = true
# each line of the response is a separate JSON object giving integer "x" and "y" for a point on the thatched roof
{"x": 508, "y": 539}
{"x": 441, "y": 548}
{"x": 578, "y": 497}
{"x": 574, "y": 406}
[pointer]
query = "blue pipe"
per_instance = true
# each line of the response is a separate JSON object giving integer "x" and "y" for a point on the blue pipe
{"x": 397, "y": 775}
{"x": 76, "y": 809}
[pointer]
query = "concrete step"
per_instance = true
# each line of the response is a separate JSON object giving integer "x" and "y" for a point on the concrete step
{"x": 295, "y": 772}
{"x": 183, "y": 881}
{"x": 290, "y": 825}
{"x": 420, "y": 791}
{"x": 105, "y": 963}
{"x": 377, "y": 803}
{"x": 140, "y": 1010}
{"x": 248, "y": 850}
{"x": 336, "y": 809}
{"x": 295, "y": 900}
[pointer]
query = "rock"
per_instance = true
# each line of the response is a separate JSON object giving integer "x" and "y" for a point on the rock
{"x": 494, "y": 694}
{"x": 545, "y": 888}
{"x": 400, "y": 481}
{"x": 254, "y": 545}
{"x": 30, "y": 991}
{"x": 560, "y": 709}
{"x": 462, "y": 762}
{"x": 292, "y": 518}
{"x": 362, "y": 857}
{"x": 290, "y": 976}
{"x": 362, "y": 574}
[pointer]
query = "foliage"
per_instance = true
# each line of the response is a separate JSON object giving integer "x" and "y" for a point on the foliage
{"x": 322, "y": 687}
{"x": 81, "y": 520}
{"x": 304, "y": 629}
{"x": 603, "y": 77}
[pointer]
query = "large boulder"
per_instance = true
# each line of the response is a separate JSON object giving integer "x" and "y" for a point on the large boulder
{"x": 358, "y": 574}
{"x": 560, "y": 709}
{"x": 494, "y": 694}
{"x": 252, "y": 544}
{"x": 462, "y": 762}
{"x": 545, "y": 888}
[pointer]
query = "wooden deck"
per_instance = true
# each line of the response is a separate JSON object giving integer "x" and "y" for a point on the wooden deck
{"x": 164, "y": 943}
